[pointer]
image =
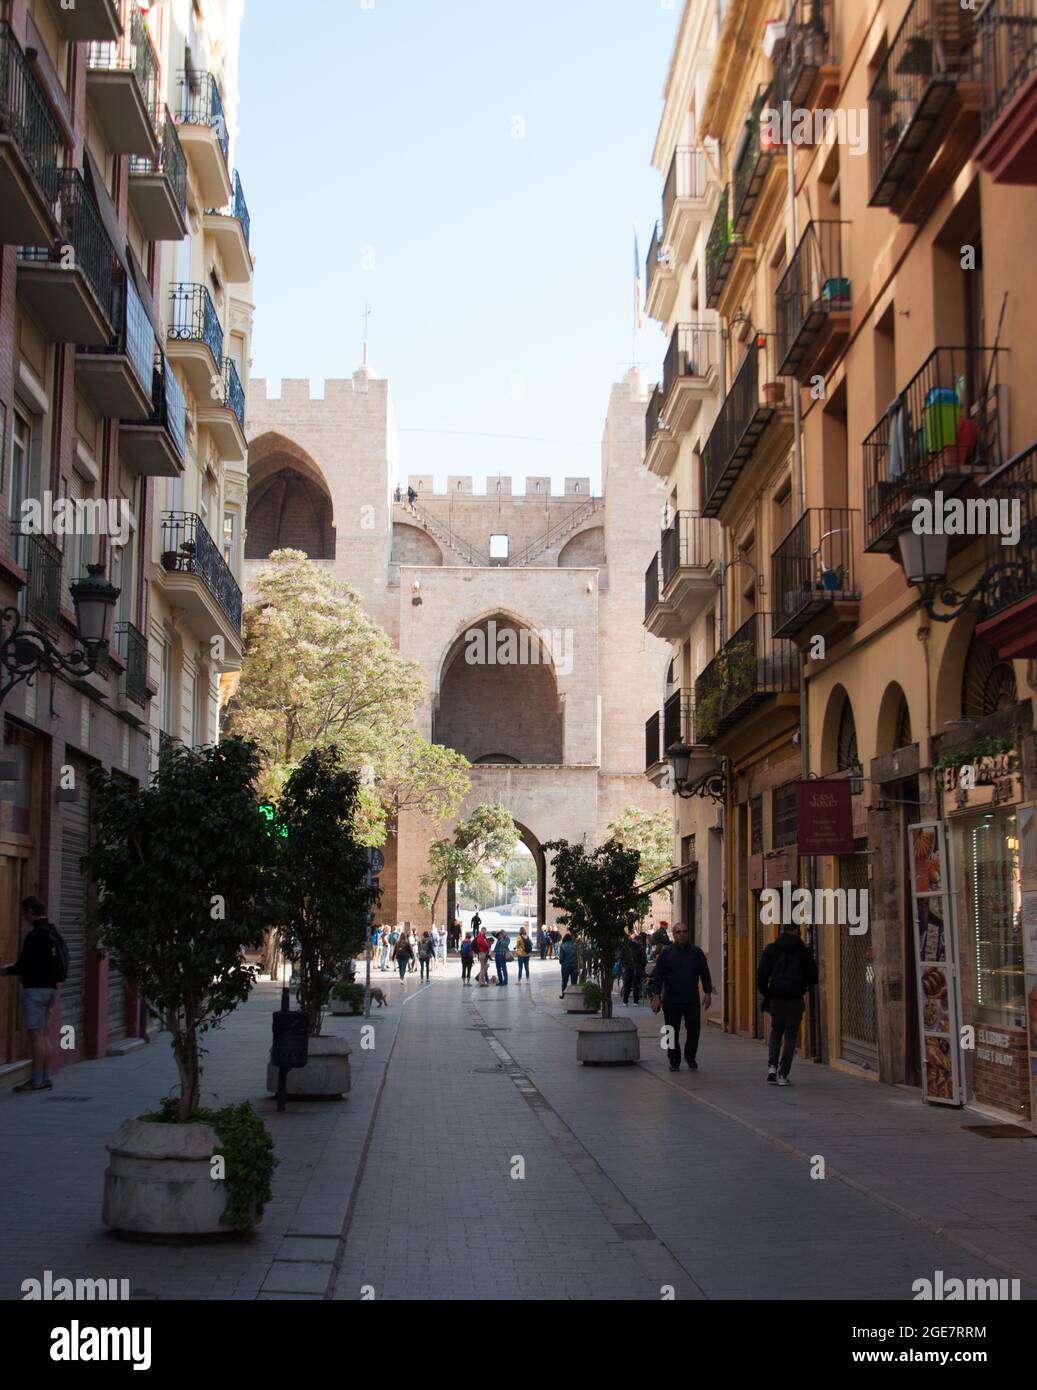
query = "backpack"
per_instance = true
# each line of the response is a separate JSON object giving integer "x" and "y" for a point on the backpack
{"x": 788, "y": 977}
{"x": 57, "y": 951}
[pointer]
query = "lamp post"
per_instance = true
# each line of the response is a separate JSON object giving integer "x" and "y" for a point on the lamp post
{"x": 710, "y": 784}
{"x": 923, "y": 558}
{"x": 25, "y": 653}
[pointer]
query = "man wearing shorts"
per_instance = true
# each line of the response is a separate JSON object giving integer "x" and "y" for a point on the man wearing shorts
{"x": 36, "y": 968}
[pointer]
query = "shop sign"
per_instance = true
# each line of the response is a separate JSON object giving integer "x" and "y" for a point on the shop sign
{"x": 936, "y": 963}
{"x": 989, "y": 781}
{"x": 994, "y": 1047}
{"x": 782, "y": 866}
{"x": 824, "y": 816}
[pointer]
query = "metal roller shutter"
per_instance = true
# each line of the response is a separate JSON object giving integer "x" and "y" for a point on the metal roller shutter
{"x": 75, "y": 832}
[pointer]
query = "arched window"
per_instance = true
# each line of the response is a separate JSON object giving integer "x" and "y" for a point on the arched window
{"x": 846, "y": 743}
{"x": 987, "y": 683}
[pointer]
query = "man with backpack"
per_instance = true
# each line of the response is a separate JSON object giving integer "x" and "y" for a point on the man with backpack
{"x": 42, "y": 966}
{"x": 787, "y": 970}
{"x": 467, "y": 950}
{"x": 403, "y": 953}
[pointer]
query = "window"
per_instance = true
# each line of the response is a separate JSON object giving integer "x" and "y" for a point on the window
{"x": 783, "y": 815}
{"x": 80, "y": 545}
{"x": 230, "y": 536}
{"x": 783, "y": 512}
{"x": 21, "y": 448}
{"x": 498, "y": 547}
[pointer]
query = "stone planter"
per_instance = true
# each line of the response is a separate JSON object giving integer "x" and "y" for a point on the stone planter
{"x": 344, "y": 1006}
{"x": 324, "y": 1077}
{"x": 575, "y": 1001}
{"x": 607, "y": 1042}
{"x": 158, "y": 1181}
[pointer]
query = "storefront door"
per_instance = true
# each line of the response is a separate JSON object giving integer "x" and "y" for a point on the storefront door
{"x": 857, "y": 1015}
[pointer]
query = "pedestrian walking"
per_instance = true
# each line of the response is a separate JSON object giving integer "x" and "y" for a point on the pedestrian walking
{"x": 403, "y": 954}
{"x": 412, "y": 496}
{"x": 501, "y": 956}
{"x": 787, "y": 970}
{"x": 567, "y": 960}
{"x": 523, "y": 951}
{"x": 542, "y": 941}
{"x": 398, "y": 494}
{"x": 41, "y": 966}
{"x": 467, "y": 958}
{"x": 554, "y": 939}
{"x": 412, "y": 937}
{"x": 635, "y": 962}
{"x": 388, "y": 948}
{"x": 425, "y": 954}
{"x": 435, "y": 937}
{"x": 679, "y": 971}
{"x": 481, "y": 943}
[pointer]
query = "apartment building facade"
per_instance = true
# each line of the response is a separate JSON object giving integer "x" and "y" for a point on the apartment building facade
{"x": 877, "y": 169}
{"x": 99, "y": 414}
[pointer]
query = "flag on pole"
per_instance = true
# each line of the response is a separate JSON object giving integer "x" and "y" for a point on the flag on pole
{"x": 637, "y": 285}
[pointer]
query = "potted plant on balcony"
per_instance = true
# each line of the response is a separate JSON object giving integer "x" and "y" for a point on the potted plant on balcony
{"x": 183, "y": 868}
{"x": 815, "y": 36}
{"x": 171, "y": 559}
{"x": 918, "y": 51}
{"x": 884, "y": 97}
{"x": 599, "y": 901}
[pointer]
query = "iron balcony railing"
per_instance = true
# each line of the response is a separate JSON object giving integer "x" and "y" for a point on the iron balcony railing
{"x": 687, "y": 177}
{"x": 132, "y": 647}
{"x": 134, "y": 336}
{"x": 237, "y": 208}
{"x": 806, "y": 48}
{"x": 199, "y": 103}
{"x": 943, "y": 427}
{"x": 130, "y": 52}
{"x": 750, "y": 667}
{"x": 1008, "y": 52}
{"x": 655, "y": 258}
{"x": 720, "y": 249}
{"x": 83, "y": 230}
{"x": 690, "y": 542}
{"x": 26, "y": 117}
{"x": 755, "y": 394}
{"x": 193, "y": 318}
{"x": 652, "y": 744}
{"x": 677, "y": 721}
{"x": 168, "y": 407}
{"x": 187, "y": 548}
{"x": 171, "y": 161}
{"x": 694, "y": 349}
{"x": 934, "y": 49}
{"x": 813, "y": 286}
{"x": 652, "y": 584}
{"x": 813, "y": 567}
{"x": 752, "y": 165}
{"x": 40, "y": 600}
{"x": 1013, "y": 569}
{"x": 653, "y": 415}
{"x": 233, "y": 392}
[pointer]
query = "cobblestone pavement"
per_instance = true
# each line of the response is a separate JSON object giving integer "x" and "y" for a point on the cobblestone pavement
{"x": 475, "y": 1157}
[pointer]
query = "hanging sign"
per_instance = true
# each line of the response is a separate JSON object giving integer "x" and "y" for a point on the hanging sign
{"x": 936, "y": 964}
{"x": 824, "y": 816}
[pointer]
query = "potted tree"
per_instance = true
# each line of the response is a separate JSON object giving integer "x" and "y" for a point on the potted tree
{"x": 599, "y": 901}
{"x": 323, "y": 899}
{"x": 182, "y": 867}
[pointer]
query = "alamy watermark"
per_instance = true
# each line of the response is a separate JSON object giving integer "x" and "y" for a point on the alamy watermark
{"x": 509, "y": 646}
{"x": 800, "y": 125}
{"x": 791, "y": 906}
{"x": 974, "y": 516}
{"x": 81, "y": 516}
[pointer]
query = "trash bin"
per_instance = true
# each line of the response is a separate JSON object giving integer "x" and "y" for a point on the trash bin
{"x": 290, "y": 1048}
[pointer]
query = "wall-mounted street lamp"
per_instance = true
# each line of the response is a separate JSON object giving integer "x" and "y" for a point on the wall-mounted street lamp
{"x": 711, "y": 783}
{"x": 923, "y": 558}
{"x": 25, "y": 653}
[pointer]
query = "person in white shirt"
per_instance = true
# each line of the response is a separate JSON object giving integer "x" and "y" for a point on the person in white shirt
{"x": 412, "y": 937}
{"x": 433, "y": 936}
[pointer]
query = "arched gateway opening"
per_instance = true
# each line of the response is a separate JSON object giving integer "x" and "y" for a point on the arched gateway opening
{"x": 517, "y": 897}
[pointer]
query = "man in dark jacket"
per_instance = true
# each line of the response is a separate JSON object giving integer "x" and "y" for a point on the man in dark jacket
{"x": 36, "y": 968}
{"x": 676, "y": 977}
{"x": 634, "y": 959}
{"x": 787, "y": 970}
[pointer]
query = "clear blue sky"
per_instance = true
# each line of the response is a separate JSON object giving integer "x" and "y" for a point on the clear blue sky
{"x": 503, "y": 283}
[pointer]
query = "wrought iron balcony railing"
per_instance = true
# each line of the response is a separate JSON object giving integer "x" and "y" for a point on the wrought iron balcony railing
{"x": 130, "y": 52}
{"x": 691, "y": 542}
{"x": 653, "y": 415}
{"x": 654, "y": 259}
{"x": 942, "y": 428}
{"x": 233, "y": 391}
{"x": 187, "y": 548}
{"x": 806, "y": 48}
{"x": 653, "y": 751}
{"x": 171, "y": 161}
{"x": 1008, "y": 53}
{"x": 237, "y": 208}
{"x": 193, "y": 318}
{"x": 755, "y": 394}
{"x": 134, "y": 336}
{"x": 813, "y": 567}
{"x": 677, "y": 721}
{"x": 26, "y": 117}
{"x": 750, "y": 667}
{"x": 720, "y": 250}
{"x": 694, "y": 349}
{"x": 1014, "y": 568}
{"x": 687, "y": 177}
{"x": 132, "y": 646}
{"x": 934, "y": 49}
{"x": 199, "y": 103}
{"x": 40, "y": 600}
{"x": 168, "y": 407}
{"x": 652, "y": 584}
{"x": 814, "y": 286}
{"x": 752, "y": 165}
{"x": 83, "y": 230}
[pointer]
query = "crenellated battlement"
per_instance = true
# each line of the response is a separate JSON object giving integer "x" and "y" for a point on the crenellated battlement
{"x": 462, "y": 485}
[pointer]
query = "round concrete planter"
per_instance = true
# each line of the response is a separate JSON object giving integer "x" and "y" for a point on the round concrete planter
{"x": 324, "y": 1077}
{"x": 159, "y": 1182}
{"x": 576, "y": 1001}
{"x": 607, "y": 1042}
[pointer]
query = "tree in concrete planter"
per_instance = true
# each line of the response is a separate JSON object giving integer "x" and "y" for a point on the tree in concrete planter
{"x": 599, "y": 901}
{"x": 182, "y": 868}
{"x": 321, "y": 876}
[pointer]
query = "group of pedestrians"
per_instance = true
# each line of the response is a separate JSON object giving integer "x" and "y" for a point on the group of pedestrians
{"x": 478, "y": 946}
{"x": 401, "y": 948}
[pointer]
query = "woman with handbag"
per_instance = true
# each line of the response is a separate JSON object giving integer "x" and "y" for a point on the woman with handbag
{"x": 523, "y": 951}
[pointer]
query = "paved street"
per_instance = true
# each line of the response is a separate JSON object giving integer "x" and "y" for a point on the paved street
{"x": 635, "y": 1180}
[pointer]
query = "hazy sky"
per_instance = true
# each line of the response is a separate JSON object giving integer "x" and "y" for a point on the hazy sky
{"x": 473, "y": 171}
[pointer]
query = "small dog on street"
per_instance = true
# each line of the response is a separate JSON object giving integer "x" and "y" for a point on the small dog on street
{"x": 378, "y": 995}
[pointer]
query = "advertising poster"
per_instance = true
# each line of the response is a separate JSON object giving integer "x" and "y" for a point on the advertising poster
{"x": 939, "y": 1013}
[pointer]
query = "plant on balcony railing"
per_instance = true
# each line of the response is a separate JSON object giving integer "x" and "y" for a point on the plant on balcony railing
{"x": 1008, "y": 53}
{"x": 806, "y": 47}
{"x": 728, "y": 678}
{"x": 199, "y": 103}
{"x": 130, "y": 52}
{"x": 193, "y": 318}
{"x": 171, "y": 161}
{"x": 187, "y": 548}
{"x": 25, "y": 115}
{"x": 751, "y": 167}
{"x": 719, "y": 248}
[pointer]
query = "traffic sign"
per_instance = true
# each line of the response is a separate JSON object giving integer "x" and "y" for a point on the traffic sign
{"x": 375, "y": 861}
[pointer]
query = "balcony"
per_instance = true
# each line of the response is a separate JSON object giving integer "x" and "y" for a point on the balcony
{"x": 813, "y": 303}
{"x": 1008, "y": 49}
{"x": 652, "y": 586}
{"x": 660, "y": 278}
{"x": 194, "y": 339}
{"x": 40, "y": 600}
{"x": 813, "y": 582}
{"x": 88, "y": 19}
{"x": 122, "y": 85}
{"x": 29, "y": 143}
{"x": 68, "y": 288}
{"x": 942, "y": 429}
{"x": 158, "y": 187}
{"x": 805, "y": 66}
{"x": 653, "y": 746}
{"x": 116, "y": 380}
{"x": 204, "y": 136}
{"x": 690, "y": 375}
{"x": 1008, "y": 620}
{"x": 222, "y": 413}
{"x": 132, "y": 647}
{"x": 155, "y": 447}
{"x": 196, "y": 578}
{"x": 688, "y": 555}
{"x": 728, "y": 256}
{"x": 752, "y": 668}
{"x": 752, "y": 164}
{"x": 924, "y": 108}
{"x": 677, "y": 721}
{"x": 230, "y": 231}
{"x": 756, "y": 402}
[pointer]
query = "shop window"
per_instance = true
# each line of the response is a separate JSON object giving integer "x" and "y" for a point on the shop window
{"x": 992, "y": 902}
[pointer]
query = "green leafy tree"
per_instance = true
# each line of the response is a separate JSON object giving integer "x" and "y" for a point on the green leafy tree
{"x": 183, "y": 870}
{"x": 481, "y": 844}
{"x": 651, "y": 833}
{"x": 321, "y": 876}
{"x": 598, "y": 901}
